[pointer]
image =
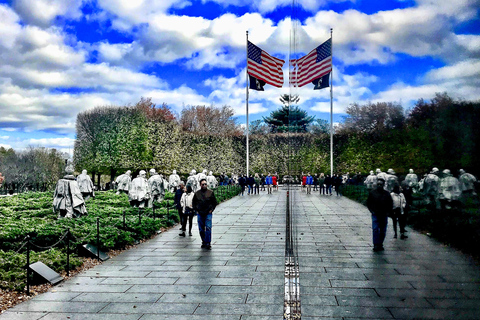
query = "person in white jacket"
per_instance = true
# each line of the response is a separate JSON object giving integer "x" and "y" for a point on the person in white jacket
{"x": 188, "y": 212}
{"x": 398, "y": 212}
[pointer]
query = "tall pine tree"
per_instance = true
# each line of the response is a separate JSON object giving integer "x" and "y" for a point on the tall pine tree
{"x": 289, "y": 118}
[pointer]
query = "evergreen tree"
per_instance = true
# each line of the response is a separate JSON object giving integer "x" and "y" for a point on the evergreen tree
{"x": 289, "y": 118}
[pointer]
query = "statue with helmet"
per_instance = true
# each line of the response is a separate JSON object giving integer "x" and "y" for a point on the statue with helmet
{"x": 157, "y": 186}
{"x": 139, "y": 192}
{"x": 67, "y": 198}
{"x": 431, "y": 184}
{"x": 123, "y": 182}
{"x": 86, "y": 185}
{"x": 449, "y": 190}
{"x": 173, "y": 181}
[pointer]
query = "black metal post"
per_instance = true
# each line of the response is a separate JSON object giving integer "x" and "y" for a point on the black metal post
{"x": 98, "y": 239}
{"x": 139, "y": 216}
{"x": 68, "y": 252}
{"x": 28, "y": 265}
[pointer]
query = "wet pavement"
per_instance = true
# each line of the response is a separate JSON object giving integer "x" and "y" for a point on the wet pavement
{"x": 242, "y": 277}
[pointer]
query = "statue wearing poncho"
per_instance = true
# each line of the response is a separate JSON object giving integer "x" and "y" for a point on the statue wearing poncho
{"x": 86, "y": 185}
{"x": 139, "y": 192}
{"x": 67, "y": 199}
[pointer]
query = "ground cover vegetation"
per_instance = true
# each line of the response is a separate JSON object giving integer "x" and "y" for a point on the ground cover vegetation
{"x": 30, "y": 214}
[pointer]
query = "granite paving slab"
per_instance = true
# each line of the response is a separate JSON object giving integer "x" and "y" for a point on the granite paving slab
{"x": 242, "y": 277}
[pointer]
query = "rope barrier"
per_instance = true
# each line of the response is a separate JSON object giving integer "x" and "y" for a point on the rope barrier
{"x": 53, "y": 245}
{"x": 119, "y": 221}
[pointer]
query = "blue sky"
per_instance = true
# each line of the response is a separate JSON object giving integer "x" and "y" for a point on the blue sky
{"x": 61, "y": 57}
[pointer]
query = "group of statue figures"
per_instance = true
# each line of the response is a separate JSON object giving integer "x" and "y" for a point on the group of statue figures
{"x": 142, "y": 192}
{"x": 441, "y": 189}
{"x": 71, "y": 193}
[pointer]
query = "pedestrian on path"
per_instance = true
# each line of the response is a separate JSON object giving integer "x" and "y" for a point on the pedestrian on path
{"x": 188, "y": 212}
{"x": 204, "y": 203}
{"x": 328, "y": 185}
{"x": 178, "y": 205}
{"x": 315, "y": 182}
{"x": 275, "y": 182}
{"x": 309, "y": 182}
{"x": 337, "y": 183}
{"x": 398, "y": 212}
{"x": 257, "y": 183}
{"x": 380, "y": 204}
{"x": 242, "y": 182}
{"x": 321, "y": 181}
{"x": 268, "y": 182}
{"x": 250, "y": 183}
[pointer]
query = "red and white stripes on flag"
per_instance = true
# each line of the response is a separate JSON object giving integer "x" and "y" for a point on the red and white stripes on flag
{"x": 314, "y": 65}
{"x": 263, "y": 66}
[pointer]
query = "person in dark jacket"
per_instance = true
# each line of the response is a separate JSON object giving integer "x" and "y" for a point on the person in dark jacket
{"x": 328, "y": 184}
{"x": 178, "y": 205}
{"x": 250, "y": 183}
{"x": 204, "y": 203}
{"x": 380, "y": 205}
{"x": 337, "y": 182}
{"x": 242, "y": 182}
{"x": 315, "y": 182}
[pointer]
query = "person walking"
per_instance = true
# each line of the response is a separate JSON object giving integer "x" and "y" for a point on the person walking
{"x": 315, "y": 182}
{"x": 257, "y": 184}
{"x": 268, "y": 182}
{"x": 304, "y": 181}
{"x": 398, "y": 212}
{"x": 250, "y": 183}
{"x": 380, "y": 204}
{"x": 328, "y": 185}
{"x": 242, "y": 182}
{"x": 204, "y": 203}
{"x": 176, "y": 201}
{"x": 321, "y": 181}
{"x": 338, "y": 182}
{"x": 187, "y": 207}
{"x": 309, "y": 182}
{"x": 275, "y": 182}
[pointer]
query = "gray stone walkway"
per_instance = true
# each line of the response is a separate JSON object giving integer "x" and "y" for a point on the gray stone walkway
{"x": 242, "y": 278}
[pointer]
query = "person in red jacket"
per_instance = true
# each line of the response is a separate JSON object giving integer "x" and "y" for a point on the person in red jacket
{"x": 274, "y": 182}
{"x": 304, "y": 181}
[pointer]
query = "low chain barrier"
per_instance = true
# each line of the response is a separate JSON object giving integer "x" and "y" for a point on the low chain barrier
{"x": 123, "y": 223}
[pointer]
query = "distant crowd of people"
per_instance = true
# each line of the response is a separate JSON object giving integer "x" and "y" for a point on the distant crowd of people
{"x": 390, "y": 198}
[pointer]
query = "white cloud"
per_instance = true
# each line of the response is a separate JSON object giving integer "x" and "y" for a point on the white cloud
{"x": 212, "y": 43}
{"x": 6, "y": 146}
{"x": 266, "y": 6}
{"x": 51, "y": 142}
{"x": 463, "y": 70}
{"x": 424, "y": 30}
{"x": 9, "y": 27}
{"x": 4, "y": 137}
{"x": 43, "y": 12}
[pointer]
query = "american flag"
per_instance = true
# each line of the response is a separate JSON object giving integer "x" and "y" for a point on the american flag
{"x": 263, "y": 66}
{"x": 314, "y": 65}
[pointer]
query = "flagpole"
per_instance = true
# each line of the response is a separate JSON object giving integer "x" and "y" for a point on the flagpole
{"x": 331, "y": 107}
{"x": 246, "y": 82}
